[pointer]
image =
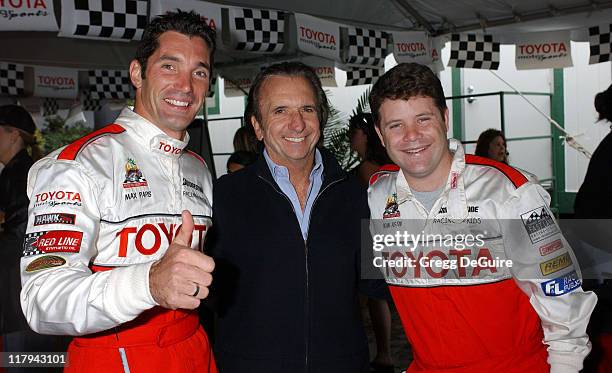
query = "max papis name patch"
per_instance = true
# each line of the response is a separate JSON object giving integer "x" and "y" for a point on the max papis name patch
{"x": 45, "y": 262}
{"x": 55, "y": 218}
{"x": 52, "y": 242}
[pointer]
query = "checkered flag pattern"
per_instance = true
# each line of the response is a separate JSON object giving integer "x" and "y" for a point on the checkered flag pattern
{"x": 110, "y": 84}
{"x": 90, "y": 104}
{"x": 362, "y": 76}
{"x": 366, "y": 47}
{"x": 600, "y": 43}
{"x": 28, "y": 244}
{"x": 11, "y": 79}
{"x": 115, "y": 19}
{"x": 49, "y": 107}
{"x": 258, "y": 30}
{"x": 474, "y": 51}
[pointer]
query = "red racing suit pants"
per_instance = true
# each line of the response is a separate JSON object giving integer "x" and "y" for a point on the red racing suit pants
{"x": 159, "y": 340}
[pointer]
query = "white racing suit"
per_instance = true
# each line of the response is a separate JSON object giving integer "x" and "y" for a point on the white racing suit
{"x": 102, "y": 210}
{"x": 461, "y": 311}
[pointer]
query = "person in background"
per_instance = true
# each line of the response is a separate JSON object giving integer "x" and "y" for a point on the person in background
{"x": 245, "y": 140}
{"x": 492, "y": 144}
{"x": 18, "y": 151}
{"x": 16, "y": 136}
{"x": 365, "y": 142}
{"x": 239, "y": 160}
{"x": 594, "y": 201}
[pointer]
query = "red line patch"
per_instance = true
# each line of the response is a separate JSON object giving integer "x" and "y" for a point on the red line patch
{"x": 52, "y": 242}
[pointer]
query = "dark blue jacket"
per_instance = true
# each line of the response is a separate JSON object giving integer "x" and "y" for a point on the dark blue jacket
{"x": 285, "y": 304}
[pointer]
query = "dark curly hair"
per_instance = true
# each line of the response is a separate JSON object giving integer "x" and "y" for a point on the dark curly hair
{"x": 603, "y": 104}
{"x": 187, "y": 23}
{"x": 288, "y": 69}
{"x": 485, "y": 139}
{"x": 375, "y": 151}
{"x": 403, "y": 82}
{"x": 246, "y": 140}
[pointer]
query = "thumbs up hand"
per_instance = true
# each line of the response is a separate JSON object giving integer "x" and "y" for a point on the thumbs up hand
{"x": 180, "y": 279}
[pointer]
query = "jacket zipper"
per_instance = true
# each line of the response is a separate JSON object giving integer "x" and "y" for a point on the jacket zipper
{"x": 306, "y": 334}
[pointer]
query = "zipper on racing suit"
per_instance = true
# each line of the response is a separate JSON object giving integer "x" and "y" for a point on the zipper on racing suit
{"x": 307, "y": 289}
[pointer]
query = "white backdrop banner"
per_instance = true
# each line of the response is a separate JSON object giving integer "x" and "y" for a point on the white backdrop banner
{"x": 55, "y": 82}
{"x": 543, "y": 50}
{"x": 209, "y": 11}
{"x": 325, "y": 70}
{"x": 27, "y": 15}
{"x": 317, "y": 36}
{"x": 436, "y": 45}
{"x": 412, "y": 47}
{"x": 237, "y": 81}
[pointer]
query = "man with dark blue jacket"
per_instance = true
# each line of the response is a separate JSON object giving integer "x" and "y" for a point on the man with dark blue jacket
{"x": 286, "y": 240}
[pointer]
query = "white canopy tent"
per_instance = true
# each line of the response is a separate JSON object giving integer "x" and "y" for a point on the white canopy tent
{"x": 505, "y": 19}
{"x": 499, "y": 17}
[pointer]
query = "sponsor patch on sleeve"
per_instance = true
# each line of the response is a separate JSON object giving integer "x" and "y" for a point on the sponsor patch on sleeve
{"x": 555, "y": 264}
{"x": 52, "y": 242}
{"x": 539, "y": 224}
{"x": 561, "y": 285}
{"x": 55, "y": 218}
{"x": 550, "y": 247}
{"x": 45, "y": 262}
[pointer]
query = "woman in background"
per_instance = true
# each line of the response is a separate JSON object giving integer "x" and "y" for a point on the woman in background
{"x": 366, "y": 143}
{"x": 492, "y": 144}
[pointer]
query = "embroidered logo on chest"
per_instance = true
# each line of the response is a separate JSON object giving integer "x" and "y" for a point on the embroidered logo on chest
{"x": 391, "y": 207}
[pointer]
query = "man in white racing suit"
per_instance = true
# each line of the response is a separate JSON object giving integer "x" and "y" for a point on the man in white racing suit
{"x": 478, "y": 269}
{"x": 113, "y": 251}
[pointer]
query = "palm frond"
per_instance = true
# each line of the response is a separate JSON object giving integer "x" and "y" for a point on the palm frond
{"x": 335, "y": 133}
{"x": 363, "y": 104}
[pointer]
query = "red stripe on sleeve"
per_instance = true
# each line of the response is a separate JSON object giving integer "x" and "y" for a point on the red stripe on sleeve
{"x": 515, "y": 176}
{"x": 71, "y": 151}
{"x": 386, "y": 167}
{"x": 197, "y": 156}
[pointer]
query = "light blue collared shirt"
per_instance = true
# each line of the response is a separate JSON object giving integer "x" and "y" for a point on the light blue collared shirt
{"x": 281, "y": 176}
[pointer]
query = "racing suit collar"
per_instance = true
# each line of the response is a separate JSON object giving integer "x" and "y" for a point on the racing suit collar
{"x": 454, "y": 188}
{"x": 150, "y": 135}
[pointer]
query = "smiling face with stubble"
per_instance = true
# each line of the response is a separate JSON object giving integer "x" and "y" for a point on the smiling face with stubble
{"x": 175, "y": 84}
{"x": 414, "y": 133}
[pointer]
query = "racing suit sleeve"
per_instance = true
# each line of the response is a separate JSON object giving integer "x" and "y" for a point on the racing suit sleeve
{"x": 545, "y": 268}
{"x": 60, "y": 295}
